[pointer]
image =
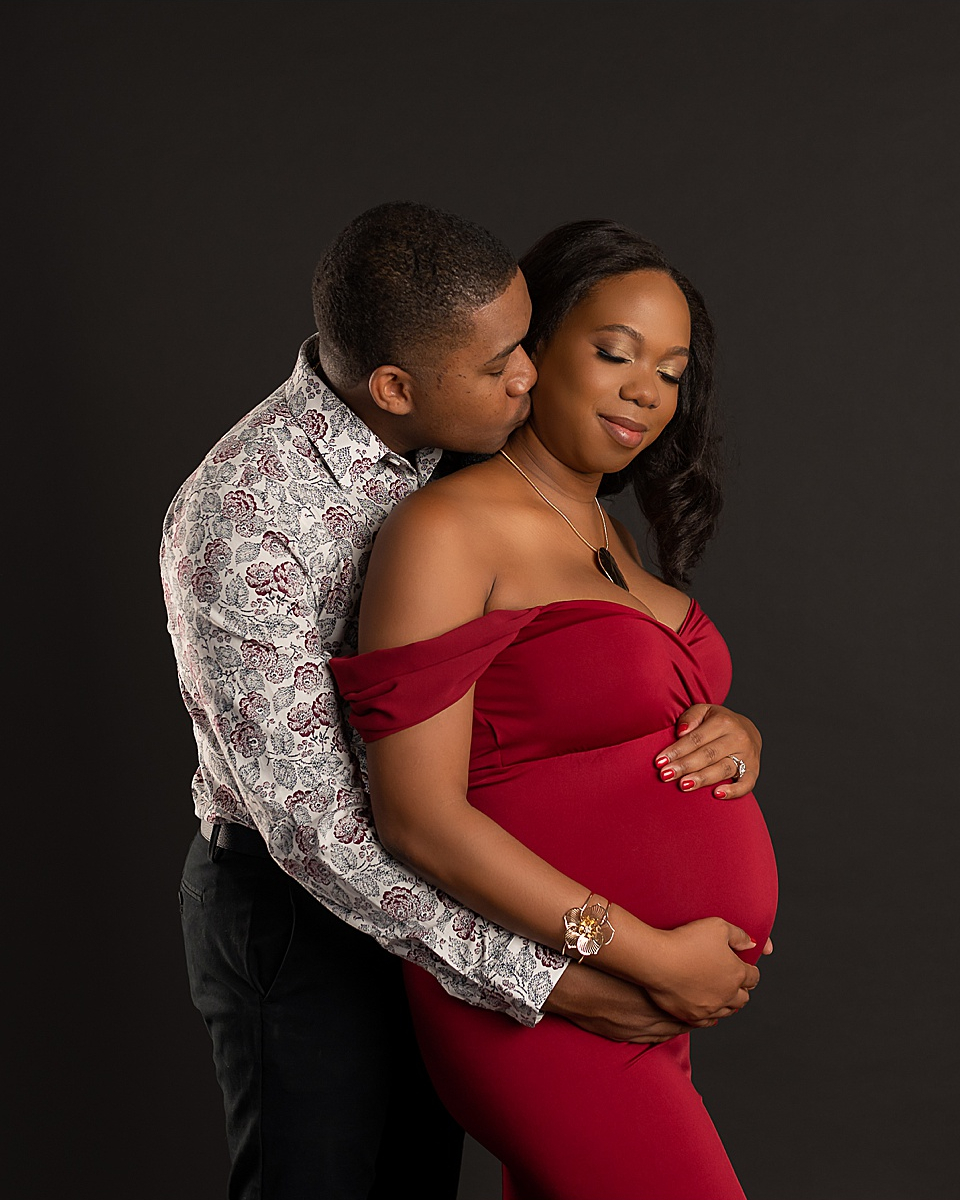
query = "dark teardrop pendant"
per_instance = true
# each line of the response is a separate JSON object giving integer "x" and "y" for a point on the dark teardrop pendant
{"x": 608, "y": 566}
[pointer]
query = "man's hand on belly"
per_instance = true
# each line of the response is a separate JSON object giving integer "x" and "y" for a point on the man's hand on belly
{"x": 612, "y": 1008}
{"x": 708, "y": 736}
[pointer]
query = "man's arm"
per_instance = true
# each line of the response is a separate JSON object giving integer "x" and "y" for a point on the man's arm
{"x": 613, "y": 1008}
{"x": 254, "y": 625}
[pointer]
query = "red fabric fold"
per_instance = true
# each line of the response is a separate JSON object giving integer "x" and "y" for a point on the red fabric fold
{"x": 397, "y": 688}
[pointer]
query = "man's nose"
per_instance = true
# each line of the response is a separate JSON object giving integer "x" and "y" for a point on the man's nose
{"x": 523, "y": 376}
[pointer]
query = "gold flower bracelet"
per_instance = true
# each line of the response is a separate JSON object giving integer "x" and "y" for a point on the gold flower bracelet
{"x": 587, "y": 929}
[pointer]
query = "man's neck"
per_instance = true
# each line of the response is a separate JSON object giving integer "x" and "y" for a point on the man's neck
{"x": 386, "y": 427}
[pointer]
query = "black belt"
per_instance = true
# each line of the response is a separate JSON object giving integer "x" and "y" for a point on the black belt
{"x": 224, "y": 836}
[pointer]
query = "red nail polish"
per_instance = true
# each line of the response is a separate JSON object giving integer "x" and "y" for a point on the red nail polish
{"x": 663, "y": 761}
{"x": 668, "y": 774}
{"x": 682, "y": 727}
{"x": 687, "y": 784}
{"x": 720, "y": 794}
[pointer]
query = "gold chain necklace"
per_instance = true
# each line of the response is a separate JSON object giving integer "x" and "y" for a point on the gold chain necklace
{"x": 606, "y": 563}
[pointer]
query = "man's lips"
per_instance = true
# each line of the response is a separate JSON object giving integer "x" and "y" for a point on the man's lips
{"x": 524, "y": 410}
{"x": 624, "y": 430}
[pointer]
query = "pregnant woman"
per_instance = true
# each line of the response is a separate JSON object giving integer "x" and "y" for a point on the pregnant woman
{"x": 521, "y": 672}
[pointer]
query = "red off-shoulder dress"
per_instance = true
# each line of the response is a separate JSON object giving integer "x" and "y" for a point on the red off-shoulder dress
{"x": 574, "y": 700}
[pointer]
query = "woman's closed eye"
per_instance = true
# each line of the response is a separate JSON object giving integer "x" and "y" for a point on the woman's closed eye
{"x": 609, "y": 357}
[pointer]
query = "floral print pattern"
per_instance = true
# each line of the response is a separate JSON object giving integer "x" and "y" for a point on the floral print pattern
{"x": 263, "y": 557}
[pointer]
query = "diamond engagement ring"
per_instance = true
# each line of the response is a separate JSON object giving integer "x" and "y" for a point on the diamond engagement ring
{"x": 740, "y": 765}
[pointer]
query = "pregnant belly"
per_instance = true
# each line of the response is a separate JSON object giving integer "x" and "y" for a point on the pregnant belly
{"x": 605, "y": 818}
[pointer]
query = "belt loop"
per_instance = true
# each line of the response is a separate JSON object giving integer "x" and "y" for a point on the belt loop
{"x": 213, "y": 853}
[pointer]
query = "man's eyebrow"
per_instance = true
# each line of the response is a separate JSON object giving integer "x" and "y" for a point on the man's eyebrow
{"x": 503, "y": 354}
{"x": 638, "y": 337}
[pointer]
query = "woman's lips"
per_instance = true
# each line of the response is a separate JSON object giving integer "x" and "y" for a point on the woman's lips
{"x": 624, "y": 430}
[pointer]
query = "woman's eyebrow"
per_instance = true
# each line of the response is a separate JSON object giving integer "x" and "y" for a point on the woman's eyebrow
{"x": 638, "y": 337}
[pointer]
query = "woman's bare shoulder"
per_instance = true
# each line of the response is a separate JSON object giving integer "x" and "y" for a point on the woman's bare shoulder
{"x": 463, "y": 500}
{"x": 432, "y": 566}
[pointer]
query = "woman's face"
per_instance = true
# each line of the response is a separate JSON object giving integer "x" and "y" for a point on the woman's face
{"x": 607, "y": 379}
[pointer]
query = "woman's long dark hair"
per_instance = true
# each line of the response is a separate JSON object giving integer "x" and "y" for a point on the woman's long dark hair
{"x": 677, "y": 480}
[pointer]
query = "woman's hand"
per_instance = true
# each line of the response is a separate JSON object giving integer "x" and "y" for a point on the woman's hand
{"x": 697, "y": 976}
{"x": 708, "y": 734}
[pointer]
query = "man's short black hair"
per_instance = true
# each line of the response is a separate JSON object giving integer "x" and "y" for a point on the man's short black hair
{"x": 398, "y": 287}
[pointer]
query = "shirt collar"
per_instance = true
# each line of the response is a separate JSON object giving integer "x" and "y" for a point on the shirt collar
{"x": 348, "y": 447}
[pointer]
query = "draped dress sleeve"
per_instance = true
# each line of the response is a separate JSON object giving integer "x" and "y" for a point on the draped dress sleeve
{"x": 396, "y": 688}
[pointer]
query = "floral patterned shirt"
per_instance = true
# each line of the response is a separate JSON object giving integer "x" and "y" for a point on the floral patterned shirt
{"x": 263, "y": 557}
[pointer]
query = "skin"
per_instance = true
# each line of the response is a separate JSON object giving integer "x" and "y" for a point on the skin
{"x": 482, "y": 540}
{"x": 470, "y": 399}
{"x": 632, "y": 379}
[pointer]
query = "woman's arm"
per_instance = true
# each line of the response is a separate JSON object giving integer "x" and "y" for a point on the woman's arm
{"x": 432, "y": 570}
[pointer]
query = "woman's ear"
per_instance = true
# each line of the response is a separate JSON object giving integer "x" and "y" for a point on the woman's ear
{"x": 391, "y": 389}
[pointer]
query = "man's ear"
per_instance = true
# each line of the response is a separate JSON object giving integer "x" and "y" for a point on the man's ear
{"x": 392, "y": 390}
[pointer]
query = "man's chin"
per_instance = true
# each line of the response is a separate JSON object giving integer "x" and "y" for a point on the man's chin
{"x": 501, "y": 441}
{"x": 478, "y": 452}
{"x": 504, "y": 436}
{"x": 486, "y": 447}
{"x": 493, "y": 442}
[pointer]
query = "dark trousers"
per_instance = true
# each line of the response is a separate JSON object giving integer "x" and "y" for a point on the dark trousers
{"x": 325, "y": 1094}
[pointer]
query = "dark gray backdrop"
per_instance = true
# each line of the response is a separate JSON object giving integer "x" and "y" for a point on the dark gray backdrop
{"x": 179, "y": 167}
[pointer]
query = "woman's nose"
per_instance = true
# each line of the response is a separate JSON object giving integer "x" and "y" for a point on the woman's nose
{"x": 641, "y": 388}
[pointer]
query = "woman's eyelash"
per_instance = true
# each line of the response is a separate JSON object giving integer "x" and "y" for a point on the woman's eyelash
{"x": 664, "y": 375}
